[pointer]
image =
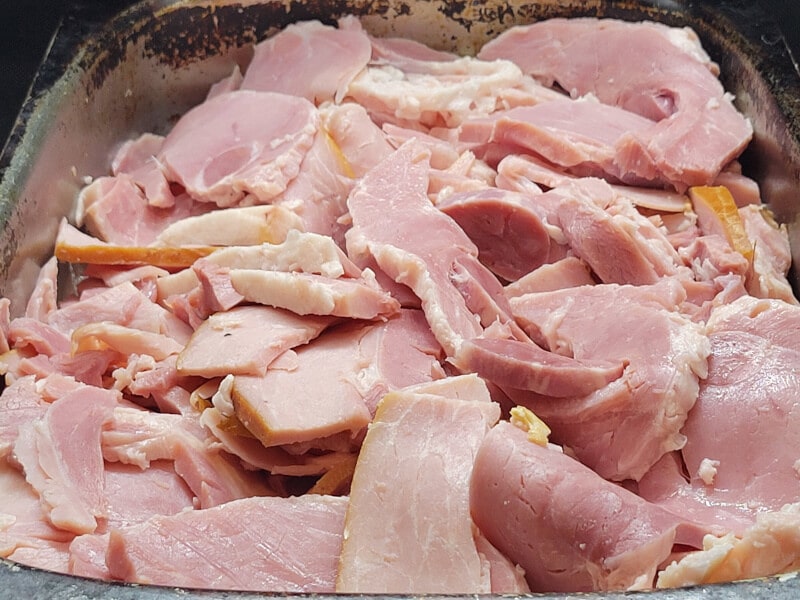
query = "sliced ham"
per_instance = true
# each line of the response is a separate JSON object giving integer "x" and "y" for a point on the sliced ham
{"x": 697, "y": 130}
{"x": 232, "y": 145}
{"x": 569, "y": 529}
{"x": 245, "y": 340}
{"x": 772, "y": 257}
{"x": 20, "y": 403}
{"x": 310, "y": 60}
{"x": 60, "y": 453}
{"x": 408, "y": 522}
{"x": 620, "y": 430}
{"x": 565, "y": 273}
{"x": 257, "y": 544}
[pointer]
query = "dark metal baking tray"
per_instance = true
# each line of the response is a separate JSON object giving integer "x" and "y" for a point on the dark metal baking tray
{"x": 107, "y": 78}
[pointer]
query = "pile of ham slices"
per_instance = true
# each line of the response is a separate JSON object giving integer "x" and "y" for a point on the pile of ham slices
{"x": 379, "y": 318}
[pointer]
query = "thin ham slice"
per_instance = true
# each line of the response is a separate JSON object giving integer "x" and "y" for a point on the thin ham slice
{"x": 257, "y": 544}
{"x": 232, "y": 145}
{"x": 310, "y": 60}
{"x": 569, "y": 529}
{"x": 245, "y": 340}
{"x": 408, "y": 522}
{"x": 60, "y": 453}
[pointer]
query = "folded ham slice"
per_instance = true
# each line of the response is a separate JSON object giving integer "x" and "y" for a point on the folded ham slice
{"x": 569, "y": 529}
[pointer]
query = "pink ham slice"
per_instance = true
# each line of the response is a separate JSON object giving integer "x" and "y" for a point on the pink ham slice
{"x": 245, "y": 340}
{"x": 509, "y": 234}
{"x": 20, "y": 403}
{"x": 242, "y": 142}
{"x": 622, "y": 429}
{"x": 698, "y": 130}
{"x": 62, "y": 459}
{"x": 337, "y": 381}
{"x": 408, "y": 523}
{"x": 747, "y": 407}
{"x": 569, "y": 529}
{"x": 257, "y": 544}
{"x": 309, "y": 60}
{"x": 419, "y": 246}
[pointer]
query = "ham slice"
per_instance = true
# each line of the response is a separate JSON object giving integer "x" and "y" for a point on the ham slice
{"x": 60, "y": 453}
{"x": 569, "y": 529}
{"x": 257, "y": 544}
{"x": 408, "y": 522}
{"x": 231, "y": 146}
{"x": 310, "y": 60}
{"x": 245, "y": 340}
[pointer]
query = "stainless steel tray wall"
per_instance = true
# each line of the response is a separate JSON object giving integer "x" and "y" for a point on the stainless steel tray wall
{"x": 136, "y": 72}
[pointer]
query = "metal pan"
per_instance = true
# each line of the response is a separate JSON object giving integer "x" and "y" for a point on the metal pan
{"x": 108, "y": 78}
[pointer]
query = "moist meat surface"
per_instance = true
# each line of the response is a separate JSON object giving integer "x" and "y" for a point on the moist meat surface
{"x": 378, "y": 318}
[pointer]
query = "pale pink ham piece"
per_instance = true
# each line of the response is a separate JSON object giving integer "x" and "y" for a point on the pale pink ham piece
{"x": 361, "y": 142}
{"x": 239, "y": 143}
{"x": 116, "y": 211}
{"x": 137, "y": 158}
{"x": 509, "y": 234}
{"x": 772, "y": 256}
{"x": 245, "y": 340}
{"x": 406, "y": 248}
{"x": 638, "y": 67}
{"x": 329, "y": 59}
{"x": 87, "y": 556}
{"x": 753, "y": 350}
{"x": 337, "y": 381}
{"x": 292, "y": 545}
{"x": 311, "y": 294}
{"x": 569, "y": 529}
{"x": 565, "y": 273}
{"x": 60, "y": 453}
{"x": 20, "y": 403}
{"x": 622, "y": 429}
{"x": 408, "y": 525}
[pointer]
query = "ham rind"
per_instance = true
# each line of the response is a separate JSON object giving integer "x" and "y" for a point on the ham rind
{"x": 569, "y": 529}
{"x": 524, "y": 365}
{"x": 698, "y": 130}
{"x": 406, "y": 248}
{"x": 310, "y": 60}
{"x": 232, "y": 145}
{"x": 62, "y": 459}
{"x": 747, "y": 407}
{"x": 408, "y": 522}
{"x": 244, "y": 226}
{"x": 291, "y": 545}
{"x": 509, "y": 234}
{"x": 769, "y": 547}
{"x": 311, "y": 294}
{"x": 432, "y": 93}
{"x": 620, "y": 430}
{"x": 245, "y": 340}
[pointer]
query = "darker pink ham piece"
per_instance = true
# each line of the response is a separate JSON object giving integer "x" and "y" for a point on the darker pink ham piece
{"x": 242, "y": 142}
{"x": 60, "y": 453}
{"x": 309, "y": 60}
{"x": 569, "y": 529}
{"x": 245, "y": 340}
{"x": 622, "y": 429}
{"x": 419, "y": 246}
{"x": 511, "y": 238}
{"x": 640, "y": 69}
{"x": 525, "y": 366}
{"x": 257, "y": 544}
{"x": 408, "y": 523}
